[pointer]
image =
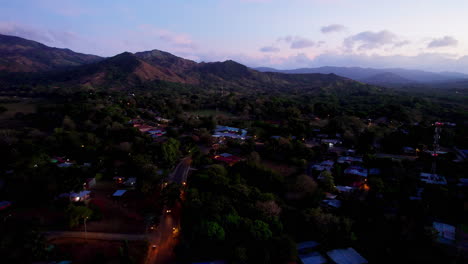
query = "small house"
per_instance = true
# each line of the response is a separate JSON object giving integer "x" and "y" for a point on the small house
{"x": 445, "y": 232}
{"x": 346, "y": 256}
{"x": 313, "y": 258}
{"x": 89, "y": 183}
{"x": 80, "y": 196}
{"x": 430, "y": 178}
{"x": 130, "y": 182}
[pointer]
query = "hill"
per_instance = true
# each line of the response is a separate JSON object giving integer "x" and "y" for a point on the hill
{"x": 22, "y": 55}
{"x": 364, "y": 74}
{"x": 387, "y": 78}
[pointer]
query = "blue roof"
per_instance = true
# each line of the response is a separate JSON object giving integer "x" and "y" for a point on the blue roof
{"x": 119, "y": 192}
{"x": 313, "y": 258}
{"x": 346, "y": 256}
{"x": 307, "y": 244}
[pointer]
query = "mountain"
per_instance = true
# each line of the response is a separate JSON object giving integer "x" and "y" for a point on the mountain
{"x": 58, "y": 67}
{"x": 387, "y": 78}
{"x": 21, "y": 55}
{"x": 364, "y": 74}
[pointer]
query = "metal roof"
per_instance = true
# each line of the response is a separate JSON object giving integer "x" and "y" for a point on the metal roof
{"x": 119, "y": 193}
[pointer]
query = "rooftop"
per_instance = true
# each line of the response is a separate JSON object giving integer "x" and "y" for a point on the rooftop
{"x": 313, "y": 258}
{"x": 119, "y": 193}
{"x": 346, "y": 256}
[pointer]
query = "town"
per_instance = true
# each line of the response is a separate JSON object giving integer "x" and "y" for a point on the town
{"x": 140, "y": 178}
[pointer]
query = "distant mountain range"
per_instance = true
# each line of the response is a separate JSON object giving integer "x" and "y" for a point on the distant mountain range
{"x": 29, "y": 61}
{"x": 379, "y": 76}
{"x": 21, "y": 55}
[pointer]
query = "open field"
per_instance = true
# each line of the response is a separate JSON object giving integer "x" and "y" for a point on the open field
{"x": 13, "y": 108}
{"x": 98, "y": 251}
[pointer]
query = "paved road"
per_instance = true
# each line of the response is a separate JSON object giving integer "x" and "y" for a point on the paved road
{"x": 95, "y": 235}
{"x": 166, "y": 235}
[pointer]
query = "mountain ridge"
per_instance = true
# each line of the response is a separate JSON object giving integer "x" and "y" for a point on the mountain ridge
{"x": 363, "y": 74}
{"x": 22, "y": 55}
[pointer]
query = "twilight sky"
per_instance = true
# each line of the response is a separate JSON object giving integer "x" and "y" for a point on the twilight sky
{"x": 416, "y": 34}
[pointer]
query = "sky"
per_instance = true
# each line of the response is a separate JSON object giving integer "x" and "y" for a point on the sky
{"x": 284, "y": 34}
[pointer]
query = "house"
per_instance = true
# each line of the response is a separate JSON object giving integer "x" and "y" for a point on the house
{"x": 4, "y": 205}
{"x": 80, "y": 197}
{"x": 349, "y": 159}
{"x": 409, "y": 150}
{"x": 357, "y": 174}
{"x": 313, "y": 258}
{"x": 306, "y": 246}
{"x": 162, "y": 120}
{"x": 119, "y": 179}
{"x": 345, "y": 189}
{"x": 230, "y": 132}
{"x": 346, "y": 256}
{"x": 331, "y": 142}
{"x": 463, "y": 182}
{"x": 89, "y": 183}
{"x": 446, "y": 233}
{"x": 119, "y": 193}
{"x": 461, "y": 154}
{"x": 324, "y": 165}
{"x": 65, "y": 165}
{"x": 433, "y": 178}
{"x": 227, "y": 158}
{"x": 130, "y": 182}
{"x": 331, "y": 203}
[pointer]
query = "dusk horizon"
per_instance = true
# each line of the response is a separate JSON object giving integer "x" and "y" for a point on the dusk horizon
{"x": 258, "y": 33}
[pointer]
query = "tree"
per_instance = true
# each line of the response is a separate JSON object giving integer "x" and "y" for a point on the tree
{"x": 260, "y": 230}
{"x": 269, "y": 208}
{"x": 214, "y": 231}
{"x": 328, "y": 181}
{"x": 77, "y": 213}
{"x": 170, "y": 152}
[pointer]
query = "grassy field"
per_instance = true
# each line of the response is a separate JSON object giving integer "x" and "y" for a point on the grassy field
{"x": 13, "y": 108}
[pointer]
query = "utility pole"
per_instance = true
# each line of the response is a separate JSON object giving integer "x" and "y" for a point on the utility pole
{"x": 436, "y": 146}
{"x": 85, "y": 229}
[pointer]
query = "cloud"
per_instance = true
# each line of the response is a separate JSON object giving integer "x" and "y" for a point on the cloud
{"x": 332, "y": 28}
{"x": 140, "y": 38}
{"x": 49, "y": 37}
{"x": 297, "y": 42}
{"x": 446, "y": 41}
{"x": 369, "y": 40}
{"x": 269, "y": 49}
{"x": 401, "y": 43}
{"x": 301, "y": 43}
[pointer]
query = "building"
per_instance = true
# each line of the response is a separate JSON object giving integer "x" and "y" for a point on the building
{"x": 349, "y": 160}
{"x": 4, "y": 205}
{"x": 445, "y": 232}
{"x": 130, "y": 182}
{"x": 346, "y": 256}
{"x": 331, "y": 142}
{"x": 89, "y": 183}
{"x": 313, "y": 258}
{"x": 119, "y": 193}
{"x": 324, "y": 165}
{"x": 80, "y": 196}
{"x": 227, "y": 158}
{"x": 331, "y": 203}
{"x": 430, "y": 178}
{"x": 230, "y": 132}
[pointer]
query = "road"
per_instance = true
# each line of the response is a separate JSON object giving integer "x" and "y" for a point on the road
{"x": 166, "y": 235}
{"x": 95, "y": 235}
